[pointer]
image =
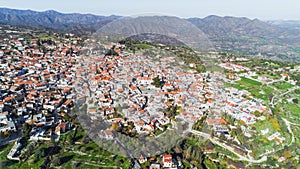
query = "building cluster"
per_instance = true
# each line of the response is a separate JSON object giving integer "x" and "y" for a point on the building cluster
{"x": 241, "y": 108}
{"x": 124, "y": 90}
{"x": 167, "y": 161}
{"x": 36, "y": 85}
{"x": 41, "y": 79}
{"x": 234, "y": 67}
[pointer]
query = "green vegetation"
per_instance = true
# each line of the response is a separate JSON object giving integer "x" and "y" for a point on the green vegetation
{"x": 111, "y": 52}
{"x": 266, "y": 124}
{"x": 136, "y": 45}
{"x": 193, "y": 148}
{"x": 84, "y": 154}
{"x": 288, "y": 106}
{"x": 210, "y": 164}
{"x": 265, "y": 65}
{"x": 214, "y": 68}
{"x": 257, "y": 89}
{"x": 272, "y": 124}
{"x": 292, "y": 111}
{"x": 283, "y": 85}
{"x": 248, "y": 82}
{"x": 183, "y": 53}
{"x": 4, "y": 150}
{"x": 142, "y": 46}
{"x": 271, "y": 75}
{"x": 296, "y": 76}
{"x": 199, "y": 124}
{"x": 172, "y": 111}
{"x": 157, "y": 83}
{"x": 262, "y": 93}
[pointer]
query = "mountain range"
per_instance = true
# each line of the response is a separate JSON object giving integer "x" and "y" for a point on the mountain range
{"x": 229, "y": 33}
{"x": 53, "y": 20}
{"x": 291, "y": 24}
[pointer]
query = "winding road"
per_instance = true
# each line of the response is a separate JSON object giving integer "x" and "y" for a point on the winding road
{"x": 231, "y": 149}
{"x": 282, "y": 94}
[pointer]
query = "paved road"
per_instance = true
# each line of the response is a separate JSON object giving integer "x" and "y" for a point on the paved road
{"x": 13, "y": 137}
{"x": 243, "y": 158}
{"x": 282, "y": 94}
{"x": 136, "y": 163}
{"x": 288, "y": 124}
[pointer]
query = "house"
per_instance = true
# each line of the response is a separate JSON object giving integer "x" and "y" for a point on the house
{"x": 144, "y": 80}
{"x": 20, "y": 111}
{"x": 49, "y": 106}
{"x": 154, "y": 166}
{"x": 108, "y": 135}
{"x": 68, "y": 104}
{"x": 109, "y": 112}
{"x": 1, "y": 106}
{"x": 61, "y": 128}
{"x": 149, "y": 127}
{"x": 167, "y": 161}
{"x": 5, "y": 124}
{"x": 222, "y": 129}
{"x": 232, "y": 76}
{"x": 164, "y": 121}
{"x": 284, "y": 76}
{"x": 218, "y": 126}
{"x": 211, "y": 122}
{"x": 142, "y": 159}
{"x": 139, "y": 126}
{"x": 92, "y": 111}
{"x": 193, "y": 65}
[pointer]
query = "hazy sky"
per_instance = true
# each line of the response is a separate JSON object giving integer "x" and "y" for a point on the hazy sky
{"x": 262, "y": 9}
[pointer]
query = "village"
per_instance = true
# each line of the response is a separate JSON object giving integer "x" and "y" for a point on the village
{"x": 123, "y": 85}
{"x": 36, "y": 88}
{"x": 42, "y": 80}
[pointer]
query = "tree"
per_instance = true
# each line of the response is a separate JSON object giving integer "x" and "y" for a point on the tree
{"x": 286, "y": 78}
{"x": 295, "y": 101}
{"x": 257, "y": 113}
{"x": 156, "y": 82}
{"x": 275, "y": 123}
{"x": 115, "y": 127}
{"x": 111, "y": 52}
{"x": 242, "y": 122}
{"x": 222, "y": 136}
{"x": 56, "y": 161}
{"x": 83, "y": 149}
{"x": 287, "y": 154}
{"x": 26, "y": 131}
{"x": 39, "y": 153}
{"x": 271, "y": 95}
{"x": 69, "y": 138}
{"x": 3, "y": 163}
{"x": 212, "y": 133}
{"x": 188, "y": 153}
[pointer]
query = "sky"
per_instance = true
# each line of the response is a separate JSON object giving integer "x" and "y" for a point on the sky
{"x": 261, "y": 9}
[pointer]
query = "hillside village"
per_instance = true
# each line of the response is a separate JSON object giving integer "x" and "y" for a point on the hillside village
{"x": 36, "y": 89}
{"x": 43, "y": 78}
{"x": 126, "y": 80}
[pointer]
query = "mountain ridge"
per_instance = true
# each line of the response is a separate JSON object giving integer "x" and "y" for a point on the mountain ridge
{"x": 228, "y": 33}
{"x": 51, "y": 19}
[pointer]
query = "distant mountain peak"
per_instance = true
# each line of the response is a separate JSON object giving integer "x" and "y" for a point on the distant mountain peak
{"x": 51, "y": 12}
